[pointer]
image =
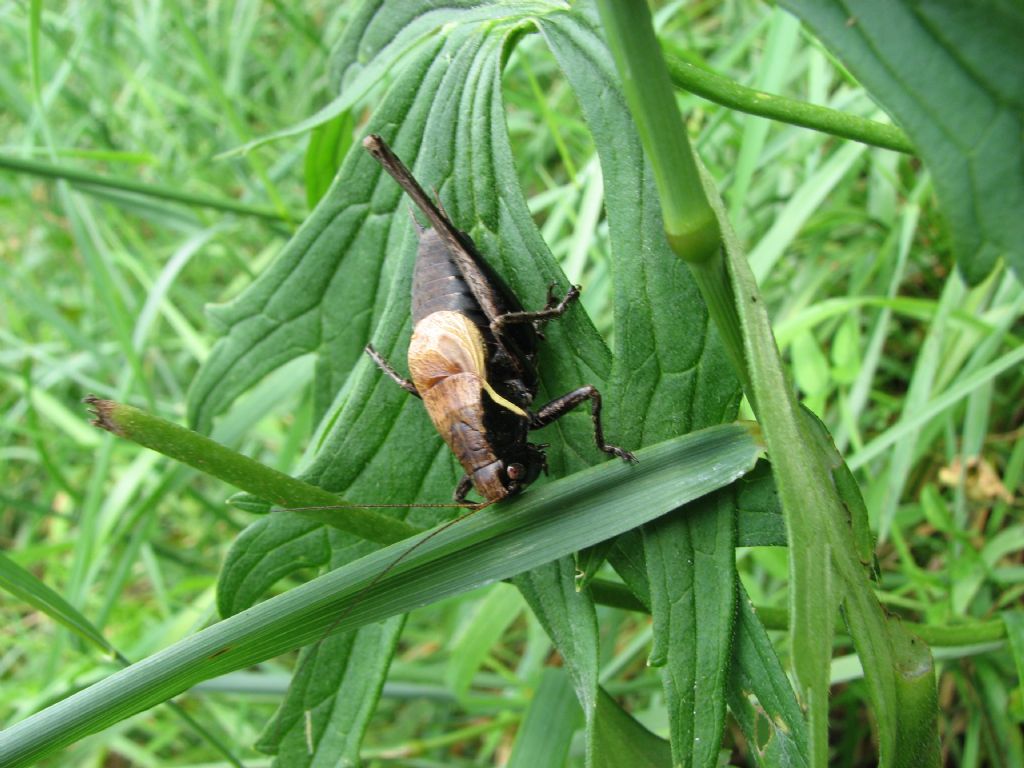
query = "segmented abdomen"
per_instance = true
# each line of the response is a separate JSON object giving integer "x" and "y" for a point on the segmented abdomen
{"x": 438, "y": 285}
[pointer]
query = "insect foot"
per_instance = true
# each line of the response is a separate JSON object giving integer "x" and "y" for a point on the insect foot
{"x": 562, "y": 405}
{"x": 552, "y": 308}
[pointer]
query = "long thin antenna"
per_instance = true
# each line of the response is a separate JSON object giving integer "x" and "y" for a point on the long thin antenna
{"x": 451, "y": 505}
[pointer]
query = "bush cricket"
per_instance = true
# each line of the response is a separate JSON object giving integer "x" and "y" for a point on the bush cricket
{"x": 472, "y": 362}
{"x": 473, "y": 352}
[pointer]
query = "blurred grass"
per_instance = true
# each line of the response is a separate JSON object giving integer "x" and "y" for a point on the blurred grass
{"x": 103, "y": 291}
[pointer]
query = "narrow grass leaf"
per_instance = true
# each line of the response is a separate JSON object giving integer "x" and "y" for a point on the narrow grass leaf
{"x": 550, "y": 521}
{"x": 801, "y": 204}
{"x": 995, "y": 693}
{"x": 777, "y": 64}
{"x": 329, "y": 143}
{"x": 1014, "y": 621}
{"x": 481, "y": 632}
{"x": 24, "y": 586}
{"x": 920, "y": 389}
{"x": 937, "y": 405}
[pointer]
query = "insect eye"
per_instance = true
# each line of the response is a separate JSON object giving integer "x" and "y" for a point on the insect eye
{"x": 515, "y": 471}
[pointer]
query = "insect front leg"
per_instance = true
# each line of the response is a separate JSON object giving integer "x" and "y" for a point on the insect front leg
{"x": 385, "y": 366}
{"x": 553, "y": 308}
{"x": 560, "y": 406}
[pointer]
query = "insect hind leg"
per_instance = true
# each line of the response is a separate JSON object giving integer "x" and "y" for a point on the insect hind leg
{"x": 552, "y": 308}
{"x": 560, "y": 406}
{"x": 385, "y": 366}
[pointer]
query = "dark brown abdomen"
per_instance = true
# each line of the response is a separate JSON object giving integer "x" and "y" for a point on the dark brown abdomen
{"x": 438, "y": 285}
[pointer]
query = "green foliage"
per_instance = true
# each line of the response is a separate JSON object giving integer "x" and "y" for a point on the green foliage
{"x": 774, "y": 727}
{"x": 546, "y": 732}
{"x": 496, "y": 543}
{"x": 948, "y": 73}
{"x": 514, "y": 113}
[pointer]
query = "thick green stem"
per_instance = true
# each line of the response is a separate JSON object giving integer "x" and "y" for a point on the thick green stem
{"x": 690, "y": 222}
{"x": 616, "y": 595}
{"x": 715, "y": 287}
{"x": 825, "y": 566}
{"x": 721, "y": 90}
{"x": 221, "y": 462}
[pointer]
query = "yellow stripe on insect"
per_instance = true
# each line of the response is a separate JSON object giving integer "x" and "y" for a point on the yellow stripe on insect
{"x": 503, "y": 402}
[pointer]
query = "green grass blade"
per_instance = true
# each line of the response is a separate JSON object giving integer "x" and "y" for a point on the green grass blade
{"x": 24, "y": 586}
{"x": 947, "y": 399}
{"x": 1014, "y": 621}
{"x": 87, "y": 181}
{"x": 480, "y": 633}
{"x": 799, "y": 209}
{"x": 778, "y": 61}
{"x": 548, "y": 522}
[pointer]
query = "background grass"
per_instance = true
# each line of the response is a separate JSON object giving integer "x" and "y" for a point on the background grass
{"x": 103, "y": 291}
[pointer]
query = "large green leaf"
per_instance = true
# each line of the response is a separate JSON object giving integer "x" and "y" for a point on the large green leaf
{"x": 348, "y": 270}
{"x": 345, "y": 279}
{"x": 949, "y": 72}
{"x": 760, "y": 522}
{"x": 547, "y": 523}
{"x": 338, "y": 682}
{"x": 670, "y": 367}
{"x": 693, "y": 609}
